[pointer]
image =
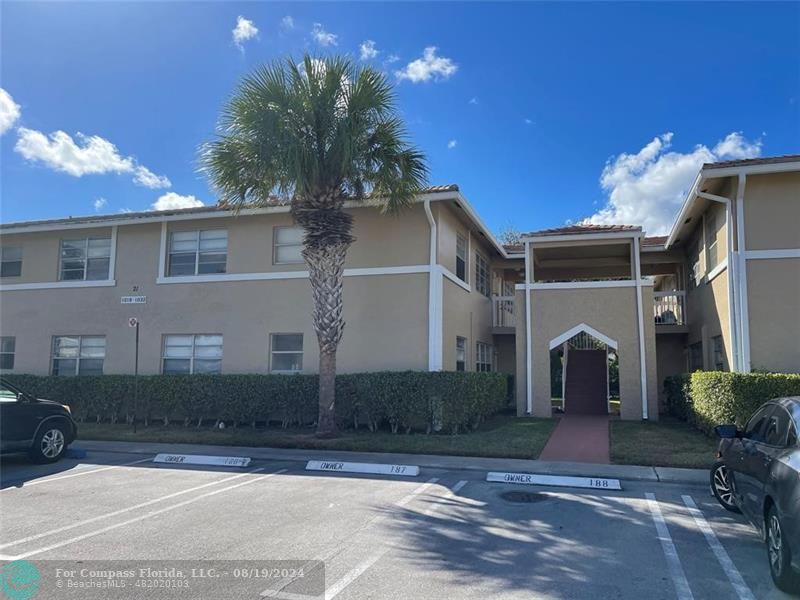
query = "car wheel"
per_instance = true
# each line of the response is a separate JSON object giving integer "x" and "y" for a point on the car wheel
{"x": 721, "y": 487}
{"x": 780, "y": 559}
{"x": 49, "y": 445}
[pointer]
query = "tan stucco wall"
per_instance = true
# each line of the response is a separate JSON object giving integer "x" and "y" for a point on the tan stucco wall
{"x": 386, "y": 318}
{"x": 708, "y": 317}
{"x": 41, "y": 252}
{"x": 611, "y": 311}
{"x": 386, "y": 315}
{"x": 467, "y": 315}
{"x": 772, "y": 211}
{"x": 773, "y": 298}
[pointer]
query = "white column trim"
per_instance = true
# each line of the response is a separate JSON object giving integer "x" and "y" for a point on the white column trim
{"x": 162, "y": 252}
{"x": 741, "y": 275}
{"x": 112, "y": 259}
{"x": 640, "y": 319}
{"x": 528, "y": 344}
{"x": 435, "y": 300}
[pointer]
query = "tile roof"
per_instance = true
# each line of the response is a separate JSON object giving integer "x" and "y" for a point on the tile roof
{"x": 658, "y": 240}
{"x": 587, "y": 228}
{"x": 767, "y": 160}
{"x": 514, "y": 248}
{"x": 132, "y": 216}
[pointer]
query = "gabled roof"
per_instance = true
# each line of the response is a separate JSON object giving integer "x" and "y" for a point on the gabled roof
{"x": 658, "y": 240}
{"x": 746, "y": 162}
{"x": 578, "y": 229}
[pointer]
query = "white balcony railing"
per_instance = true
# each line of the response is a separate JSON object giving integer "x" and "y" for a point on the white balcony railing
{"x": 669, "y": 308}
{"x": 503, "y": 311}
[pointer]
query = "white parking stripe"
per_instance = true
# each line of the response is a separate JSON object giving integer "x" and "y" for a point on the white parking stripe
{"x": 118, "y": 512}
{"x": 722, "y": 556}
{"x": 351, "y": 576}
{"x": 60, "y": 477}
{"x": 149, "y": 514}
{"x": 449, "y": 494}
{"x": 673, "y": 562}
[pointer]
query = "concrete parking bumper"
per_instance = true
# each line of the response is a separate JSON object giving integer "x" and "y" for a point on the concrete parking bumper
{"x": 466, "y": 463}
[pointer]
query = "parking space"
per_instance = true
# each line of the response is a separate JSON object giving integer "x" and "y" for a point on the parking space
{"x": 444, "y": 533}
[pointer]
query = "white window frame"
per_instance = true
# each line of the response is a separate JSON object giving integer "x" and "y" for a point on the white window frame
{"x": 718, "y": 352}
{"x": 465, "y": 258}
{"x": 79, "y": 356}
{"x": 484, "y": 357}
{"x": 12, "y": 352}
{"x": 191, "y": 358}
{"x": 3, "y": 260}
{"x": 487, "y": 291}
{"x": 276, "y": 245}
{"x": 86, "y": 257}
{"x": 465, "y": 344}
{"x": 197, "y": 251}
{"x": 273, "y": 352}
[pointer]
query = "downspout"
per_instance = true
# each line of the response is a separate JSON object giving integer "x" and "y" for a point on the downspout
{"x": 528, "y": 356}
{"x": 640, "y": 319}
{"x": 733, "y": 271}
{"x": 741, "y": 276}
{"x": 434, "y": 298}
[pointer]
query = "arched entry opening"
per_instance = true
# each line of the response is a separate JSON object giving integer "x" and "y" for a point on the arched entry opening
{"x": 585, "y": 364}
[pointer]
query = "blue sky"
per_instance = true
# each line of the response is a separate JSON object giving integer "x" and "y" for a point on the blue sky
{"x": 543, "y": 113}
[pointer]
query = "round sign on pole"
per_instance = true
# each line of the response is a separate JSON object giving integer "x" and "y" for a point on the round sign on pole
{"x": 133, "y": 322}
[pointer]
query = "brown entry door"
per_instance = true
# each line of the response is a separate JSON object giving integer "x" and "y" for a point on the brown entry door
{"x": 586, "y": 390}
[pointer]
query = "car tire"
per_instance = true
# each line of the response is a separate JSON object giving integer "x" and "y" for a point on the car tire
{"x": 721, "y": 486}
{"x": 778, "y": 553}
{"x": 50, "y": 444}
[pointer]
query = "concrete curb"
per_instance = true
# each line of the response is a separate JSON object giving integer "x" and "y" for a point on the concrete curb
{"x": 430, "y": 461}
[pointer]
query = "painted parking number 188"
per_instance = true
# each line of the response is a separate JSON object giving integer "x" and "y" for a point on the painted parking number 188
{"x": 598, "y": 483}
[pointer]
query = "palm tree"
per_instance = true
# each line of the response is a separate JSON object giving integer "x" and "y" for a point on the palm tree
{"x": 316, "y": 134}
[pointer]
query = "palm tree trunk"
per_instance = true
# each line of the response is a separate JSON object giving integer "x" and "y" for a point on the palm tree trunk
{"x": 326, "y": 268}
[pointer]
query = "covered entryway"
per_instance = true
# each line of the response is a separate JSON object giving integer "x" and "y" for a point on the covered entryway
{"x": 586, "y": 383}
{"x": 581, "y": 358}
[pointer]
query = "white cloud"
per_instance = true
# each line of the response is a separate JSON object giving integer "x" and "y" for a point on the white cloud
{"x": 473, "y": 100}
{"x": 647, "y": 188}
{"x": 527, "y": 121}
{"x": 100, "y": 204}
{"x": 452, "y": 144}
{"x": 91, "y": 155}
{"x": 367, "y": 50}
{"x": 287, "y": 23}
{"x": 430, "y": 66}
{"x": 171, "y": 201}
{"x": 392, "y": 58}
{"x": 9, "y": 111}
{"x": 322, "y": 37}
{"x": 245, "y": 30}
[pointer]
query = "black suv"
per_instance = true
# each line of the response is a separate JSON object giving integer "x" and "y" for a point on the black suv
{"x": 42, "y": 428}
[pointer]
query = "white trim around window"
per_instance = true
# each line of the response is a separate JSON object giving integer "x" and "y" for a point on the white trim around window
{"x": 8, "y": 351}
{"x": 191, "y": 353}
{"x": 78, "y": 354}
{"x": 47, "y": 285}
{"x": 403, "y": 270}
{"x": 287, "y": 245}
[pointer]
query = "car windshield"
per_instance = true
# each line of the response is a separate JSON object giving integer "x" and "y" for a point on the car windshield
{"x": 7, "y": 394}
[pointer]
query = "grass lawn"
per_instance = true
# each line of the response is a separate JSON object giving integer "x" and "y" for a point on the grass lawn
{"x": 666, "y": 443}
{"x": 503, "y": 436}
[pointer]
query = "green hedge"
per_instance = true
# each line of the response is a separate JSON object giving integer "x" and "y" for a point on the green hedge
{"x": 402, "y": 401}
{"x": 710, "y": 398}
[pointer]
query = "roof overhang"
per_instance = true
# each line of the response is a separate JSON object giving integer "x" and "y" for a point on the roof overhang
{"x": 584, "y": 236}
{"x": 710, "y": 172}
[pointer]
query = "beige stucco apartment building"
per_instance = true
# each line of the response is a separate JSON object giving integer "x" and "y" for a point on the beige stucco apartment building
{"x": 596, "y": 316}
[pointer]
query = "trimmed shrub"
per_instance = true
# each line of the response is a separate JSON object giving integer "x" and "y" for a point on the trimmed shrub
{"x": 710, "y": 398}
{"x": 404, "y": 401}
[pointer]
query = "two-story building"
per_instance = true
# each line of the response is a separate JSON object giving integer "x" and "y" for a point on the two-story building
{"x": 596, "y": 316}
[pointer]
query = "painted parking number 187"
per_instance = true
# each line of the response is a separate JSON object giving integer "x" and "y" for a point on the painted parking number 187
{"x": 398, "y": 469}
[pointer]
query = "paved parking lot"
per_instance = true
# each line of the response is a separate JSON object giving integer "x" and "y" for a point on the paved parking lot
{"x": 442, "y": 534}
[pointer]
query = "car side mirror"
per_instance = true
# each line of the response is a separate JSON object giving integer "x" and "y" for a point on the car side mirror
{"x": 727, "y": 431}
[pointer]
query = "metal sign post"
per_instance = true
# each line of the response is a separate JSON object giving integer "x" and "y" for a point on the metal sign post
{"x": 134, "y": 322}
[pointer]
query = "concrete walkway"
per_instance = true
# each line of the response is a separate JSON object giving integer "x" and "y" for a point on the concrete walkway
{"x": 431, "y": 461}
{"x": 579, "y": 438}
